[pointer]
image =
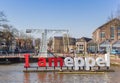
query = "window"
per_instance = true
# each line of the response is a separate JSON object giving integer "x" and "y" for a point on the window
{"x": 118, "y": 28}
{"x": 112, "y": 32}
{"x": 102, "y": 34}
{"x": 81, "y": 46}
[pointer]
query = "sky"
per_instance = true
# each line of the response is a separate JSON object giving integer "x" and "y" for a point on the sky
{"x": 80, "y": 17}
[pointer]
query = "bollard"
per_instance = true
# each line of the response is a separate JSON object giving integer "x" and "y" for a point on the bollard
{"x": 54, "y": 67}
{"x": 107, "y": 68}
{"x": 90, "y": 68}
{"x": 67, "y": 68}
{"x": 72, "y": 68}
{"x": 83, "y": 67}
{"x": 98, "y": 67}
{"x": 46, "y": 67}
{"x": 26, "y": 68}
{"x": 37, "y": 68}
{"x": 61, "y": 67}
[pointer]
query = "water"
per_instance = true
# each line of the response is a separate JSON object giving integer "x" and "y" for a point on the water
{"x": 14, "y": 74}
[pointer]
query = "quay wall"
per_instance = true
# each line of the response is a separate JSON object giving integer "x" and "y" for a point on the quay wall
{"x": 8, "y": 60}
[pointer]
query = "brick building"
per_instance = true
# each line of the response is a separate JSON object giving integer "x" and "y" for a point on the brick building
{"x": 108, "y": 34}
{"x": 61, "y": 45}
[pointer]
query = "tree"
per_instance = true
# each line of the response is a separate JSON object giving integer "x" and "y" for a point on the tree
{"x": 8, "y": 31}
{"x": 118, "y": 12}
{"x": 115, "y": 14}
{"x": 3, "y": 17}
{"x": 111, "y": 17}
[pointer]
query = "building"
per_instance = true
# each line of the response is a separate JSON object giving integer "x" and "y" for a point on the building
{"x": 92, "y": 46}
{"x": 63, "y": 45}
{"x": 72, "y": 44}
{"x": 108, "y": 35}
{"x": 57, "y": 44}
{"x": 81, "y": 45}
{"x": 2, "y": 41}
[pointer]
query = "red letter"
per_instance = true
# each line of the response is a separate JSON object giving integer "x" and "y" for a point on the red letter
{"x": 55, "y": 60}
{"x": 27, "y": 60}
{"x": 50, "y": 61}
{"x": 60, "y": 60}
{"x": 41, "y": 62}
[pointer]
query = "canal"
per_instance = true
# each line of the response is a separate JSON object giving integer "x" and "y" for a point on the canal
{"x": 14, "y": 74}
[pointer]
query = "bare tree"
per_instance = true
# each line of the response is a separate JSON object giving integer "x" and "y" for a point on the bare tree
{"x": 8, "y": 31}
{"x": 2, "y": 18}
{"x": 118, "y": 12}
{"x": 111, "y": 17}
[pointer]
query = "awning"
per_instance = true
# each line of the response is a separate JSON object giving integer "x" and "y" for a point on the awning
{"x": 116, "y": 44}
{"x": 104, "y": 44}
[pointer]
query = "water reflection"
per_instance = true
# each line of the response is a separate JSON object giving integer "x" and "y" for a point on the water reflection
{"x": 48, "y": 77}
{"x": 51, "y": 77}
{"x": 26, "y": 77}
{"x": 13, "y": 74}
{"x": 41, "y": 77}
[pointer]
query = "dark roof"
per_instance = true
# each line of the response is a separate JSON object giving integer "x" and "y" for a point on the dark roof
{"x": 91, "y": 41}
{"x": 58, "y": 37}
{"x": 115, "y": 19}
{"x": 85, "y": 38}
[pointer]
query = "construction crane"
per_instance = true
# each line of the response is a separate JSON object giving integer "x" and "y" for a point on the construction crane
{"x": 45, "y": 33}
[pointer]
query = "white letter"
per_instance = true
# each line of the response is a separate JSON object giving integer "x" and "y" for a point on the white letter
{"x": 90, "y": 62}
{"x": 100, "y": 61}
{"x": 68, "y": 61}
{"x": 107, "y": 59}
{"x": 78, "y": 62}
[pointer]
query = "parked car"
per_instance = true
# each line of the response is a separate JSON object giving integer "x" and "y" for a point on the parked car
{"x": 3, "y": 52}
{"x": 115, "y": 52}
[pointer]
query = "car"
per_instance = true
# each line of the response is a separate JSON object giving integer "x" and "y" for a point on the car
{"x": 115, "y": 52}
{"x": 3, "y": 52}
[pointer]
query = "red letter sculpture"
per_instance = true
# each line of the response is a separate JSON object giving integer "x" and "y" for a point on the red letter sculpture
{"x": 41, "y": 62}
{"x": 60, "y": 60}
{"x": 50, "y": 61}
{"x": 27, "y": 60}
{"x": 55, "y": 60}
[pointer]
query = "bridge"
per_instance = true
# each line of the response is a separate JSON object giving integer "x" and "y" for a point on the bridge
{"x": 17, "y": 58}
{"x": 31, "y": 55}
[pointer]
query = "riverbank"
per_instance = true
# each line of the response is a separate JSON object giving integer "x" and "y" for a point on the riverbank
{"x": 115, "y": 60}
{"x": 14, "y": 74}
{"x": 71, "y": 71}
